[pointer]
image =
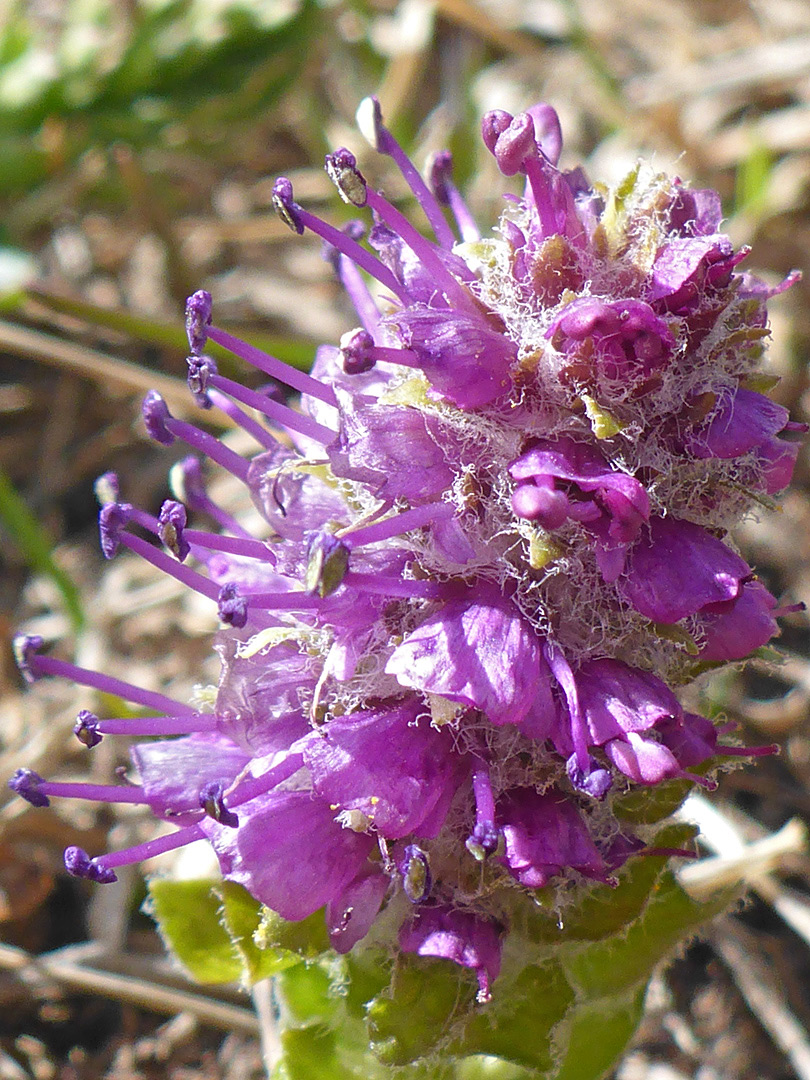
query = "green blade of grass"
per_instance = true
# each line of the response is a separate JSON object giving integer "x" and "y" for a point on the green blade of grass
{"x": 28, "y": 535}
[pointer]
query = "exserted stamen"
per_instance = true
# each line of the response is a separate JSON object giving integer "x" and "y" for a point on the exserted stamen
{"x": 259, "y": 785}
{"x": 201, "y": 332}
{"x": 408, "y": 588}
{"x": 353, "y": 282}
{"x": 283, "y": 601}
{"x": 165, "y": 428}
{"x": 31, "y": 787}
{"x": 233, "y": 545}
{"x": 33, "y": 666}
{"x": 370, "y": 123}
{"x": 512, "y": 141}
{"x": 159, "y": 559}
{"x": 414, "y": 867}
{"x": 247, "y": 423}
{"x": 341, "y": 165}
{"x": 282, "y": 198}
{"x": 107, "y": 488}
{"x": 89, "y": 729}
{"x": 561, "y": 670}
{"x": 440, "y": 180}
{"x": 359, "y": 354}
{"x": 485, "y": 837}
{"x": 100, "y": 869}
{"x": 203, "y": 376}
{"x": 212, "y": 801}
{"x": 198, "y": 318}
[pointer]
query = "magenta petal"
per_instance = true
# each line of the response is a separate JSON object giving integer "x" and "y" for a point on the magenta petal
{"x": 289, "y": 852}
{"x": 678, "y": 568}
{"x": 482, "y": 654}
{"x": 733, "y": 630}
{"x": 350, "y": 916}
{"x": 739, "y": 422}
{"x": 643, "y": 760}
{"x": 174, "y": 771}
{"x": 401, "y": 775}
{"x": 460, "y": 936}
{"x": 543, "y": 835}
{"x": 616, "y": 699}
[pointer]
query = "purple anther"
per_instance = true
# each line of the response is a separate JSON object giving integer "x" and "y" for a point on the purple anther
{"x": 515, "y": 144}
{"x": 113, "y": 518}
{"x": 200, "y": 370}
{"x": 107, "y": 488}
{"x": 231, "y": 606}
{"x": 357, "y": 352}
{"x": 341, "y": 167}
{"x": 596, "y": 782}
{"x": 440, "y": 174}
{"x": 416, "y": 877}
{"x": 25, "y": 783}
{"x": 79, "y": 864}
{"x": 86, "y": 729}
{"x": 493, "y": 124}
{"x": 198, "y": 318}
{"x": 26, "y": 647}
{"x": 285, "y": 206}
{"x": 171, "y": 523}
{"x": 212, "y": 801}
{"x": 155, "y": 416}
{"x": 327, "y": 566}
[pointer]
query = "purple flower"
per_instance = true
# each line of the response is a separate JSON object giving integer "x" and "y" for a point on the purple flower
{"x": 443, "y": 655}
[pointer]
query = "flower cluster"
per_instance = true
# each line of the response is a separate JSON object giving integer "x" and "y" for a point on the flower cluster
{"x": 496, "y": 538}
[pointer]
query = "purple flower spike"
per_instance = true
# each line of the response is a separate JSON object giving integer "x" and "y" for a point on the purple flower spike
{"x": 232, "y": 606}
{"x": 25, "y": 783}
{"x": 155, "y": 416}
{"x": 284, "y": 205}
{"x": 26, "y": 647}
{"x": 460, "y": 936}
{"x": 79, "y": 864}
{"x": 488, "y": 527}
{"x": 212, "y": 801}
{"x": 198, "y": 318}
{"x": 171, "y": 523}
{"x": 86, "y": 729}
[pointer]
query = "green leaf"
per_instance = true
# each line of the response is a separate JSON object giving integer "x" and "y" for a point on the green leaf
{"x": 620, "y": 964}
{"x": 188, "y": 914}
{"x": 598, "y": 1036}
{"x": 241, "y": 917}
{"x": 518, "y": 1023}
{"x": 306, "y": 939}
{"x": 29, "y": 537}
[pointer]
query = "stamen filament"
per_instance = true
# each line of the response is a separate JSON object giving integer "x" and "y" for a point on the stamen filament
{"x": 352, "y": 250}
{"x": 151, "y": 848}
{"x": 50, "y": 665}
{"x": 276, "y": 369}
{"x": 109, "y": 793}
{"x": 358, "y": 292}
{"x": 541, "y": 190}
{"x": 453, "y": 289}
{"x": 159, "y": 725}
{"x": 169, "y": 565}
{"x": 262, "y": 436}
{"x": 209, "y": 445}
{"x": 384, "y": 586}
{"x": 234, "y": 545}
{"x": 398, "y": 524}
{"x": 281, "y": 414}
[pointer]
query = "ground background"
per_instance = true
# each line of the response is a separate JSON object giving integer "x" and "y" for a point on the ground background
{"x": 139, "y": 144}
